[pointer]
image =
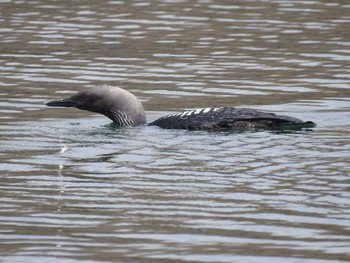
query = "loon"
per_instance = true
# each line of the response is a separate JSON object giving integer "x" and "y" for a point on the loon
{"x": 124, "y": 109}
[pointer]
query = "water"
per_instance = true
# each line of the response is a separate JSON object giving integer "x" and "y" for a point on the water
{"x": 76, "y": 189}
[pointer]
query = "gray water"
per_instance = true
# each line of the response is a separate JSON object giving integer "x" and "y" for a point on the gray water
{"x": 73, "y": 188}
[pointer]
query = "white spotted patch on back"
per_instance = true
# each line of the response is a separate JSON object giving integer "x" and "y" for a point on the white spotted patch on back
{"x": 183, "y": 113}
{"x": 189, "y": 113}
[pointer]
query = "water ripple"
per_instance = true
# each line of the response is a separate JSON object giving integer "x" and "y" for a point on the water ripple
{"x": 73, "y": 188}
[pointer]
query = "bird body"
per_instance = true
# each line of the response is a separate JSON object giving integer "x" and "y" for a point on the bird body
{"x": 225, "y": 118}
{"x": 123, "y": 108}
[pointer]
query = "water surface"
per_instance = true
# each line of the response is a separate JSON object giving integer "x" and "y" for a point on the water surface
{"x": 74, "y": 188}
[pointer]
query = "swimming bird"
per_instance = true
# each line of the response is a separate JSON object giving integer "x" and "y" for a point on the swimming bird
{"x": 123, "y": 108}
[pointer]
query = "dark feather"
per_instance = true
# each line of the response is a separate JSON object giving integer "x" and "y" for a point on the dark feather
{"x": 227, "y": 118}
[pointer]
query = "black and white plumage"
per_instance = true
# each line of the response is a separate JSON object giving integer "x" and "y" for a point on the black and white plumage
{"x": 227, "y": 118}
{"x": 125, "y": 109}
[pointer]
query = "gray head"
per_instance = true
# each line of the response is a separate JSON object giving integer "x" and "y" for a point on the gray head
{"x": 119, "y": 105}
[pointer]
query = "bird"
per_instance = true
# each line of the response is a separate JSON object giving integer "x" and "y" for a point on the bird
{"x": 125, "y": 109}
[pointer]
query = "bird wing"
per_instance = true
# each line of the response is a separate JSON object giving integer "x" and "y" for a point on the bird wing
{"x": 223, "y": 118}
